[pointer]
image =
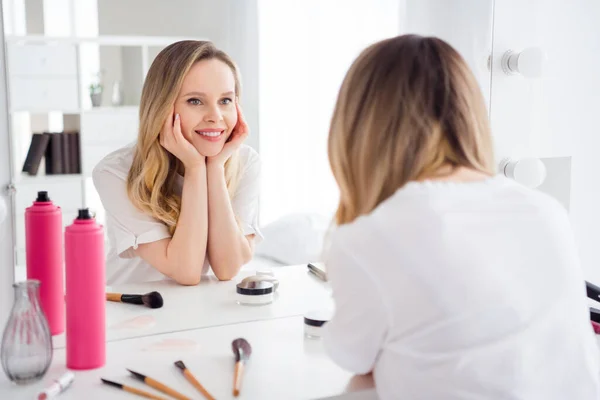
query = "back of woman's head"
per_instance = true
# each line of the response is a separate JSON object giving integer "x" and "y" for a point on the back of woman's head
{"x": 154, "y": 170}
{"x": 408, "y": 106}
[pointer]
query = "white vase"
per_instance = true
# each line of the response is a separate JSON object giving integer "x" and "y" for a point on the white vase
{"x": 117, "y": 94}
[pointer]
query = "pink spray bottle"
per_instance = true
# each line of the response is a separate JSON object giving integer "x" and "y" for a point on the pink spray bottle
{"x": 44, "y": 252}
{"x": 86, "y": 298}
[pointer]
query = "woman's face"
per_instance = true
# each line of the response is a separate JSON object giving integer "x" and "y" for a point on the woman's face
{"x": 206, "y": 106}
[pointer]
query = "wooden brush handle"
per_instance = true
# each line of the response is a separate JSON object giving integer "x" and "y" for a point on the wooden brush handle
{"x": 113, "y": 297}
{"x": 142, "y": 393}
{"x": 237, "y": 378}
{"x": 165, "y": 389}
{"x": 197, "y": 384}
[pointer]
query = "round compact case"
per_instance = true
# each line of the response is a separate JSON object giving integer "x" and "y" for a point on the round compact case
{"x": 261, "y": 278}
{"x": 255, "y": 292}
{"x": 314, "y": 321}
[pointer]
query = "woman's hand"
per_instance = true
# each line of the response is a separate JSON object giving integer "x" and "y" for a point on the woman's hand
{"x": 173, "y": 140}
{"x": 238, "y": 135}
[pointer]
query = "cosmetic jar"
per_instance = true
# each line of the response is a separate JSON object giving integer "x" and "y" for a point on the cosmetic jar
{"x": 314, "y": 322}
{"x": 254, "y": 292}
{"x": 262, "y": 278}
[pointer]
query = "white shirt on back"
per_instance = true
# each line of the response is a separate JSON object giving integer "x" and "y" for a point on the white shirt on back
{"x": 127, "y": 226}
{"x": 463, "y": 291}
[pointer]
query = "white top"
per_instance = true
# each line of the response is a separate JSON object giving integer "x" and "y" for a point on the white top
{"x": 127, "y": 226}
{"x": 463, "y": 290}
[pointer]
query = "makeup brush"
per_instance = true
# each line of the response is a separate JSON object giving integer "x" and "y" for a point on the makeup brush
{"x": 159, "y": 386}
{"x": 152, "y": 299}
{"x": 132, "y": 390}
{"x": 190, "y": 377}
{"x": 242, "y": 350}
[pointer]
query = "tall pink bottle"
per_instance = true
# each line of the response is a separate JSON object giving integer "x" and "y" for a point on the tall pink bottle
{"x": 44, "y": 253}
{"x": 84, "y": 251}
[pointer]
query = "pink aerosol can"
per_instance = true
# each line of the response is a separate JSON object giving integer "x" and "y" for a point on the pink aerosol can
{"x": 44, "y": 254}
{"x": 85, "y": 277}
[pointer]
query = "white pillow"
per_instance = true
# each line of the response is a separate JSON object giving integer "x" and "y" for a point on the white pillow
{"x": 294, "y": 239}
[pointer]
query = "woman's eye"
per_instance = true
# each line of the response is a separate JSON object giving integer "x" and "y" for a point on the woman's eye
{"x": 226, "y": 101}
{"x": 194, "y": 102}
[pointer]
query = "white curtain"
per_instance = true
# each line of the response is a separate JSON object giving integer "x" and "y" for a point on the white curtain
{"x": 305, "y": 49}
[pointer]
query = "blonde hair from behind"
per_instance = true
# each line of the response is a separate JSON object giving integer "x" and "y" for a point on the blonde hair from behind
{"x": 407, "y": 107}
{"x": 152, "y": 176}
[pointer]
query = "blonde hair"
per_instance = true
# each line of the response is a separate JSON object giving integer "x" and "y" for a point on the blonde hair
{"x": 152, "y": 176}
{"x": 408, "y": 106}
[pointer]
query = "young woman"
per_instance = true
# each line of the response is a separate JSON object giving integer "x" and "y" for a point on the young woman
{"x": 449, "y": 282}
{"x": 185, "y": 196}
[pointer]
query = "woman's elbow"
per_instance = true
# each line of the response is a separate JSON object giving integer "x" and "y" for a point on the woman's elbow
{"x": 225, "y": 276}
{"x": 187, "y": 279}
{"x": 192, "y": 281}
{"x": 227, "y": 271}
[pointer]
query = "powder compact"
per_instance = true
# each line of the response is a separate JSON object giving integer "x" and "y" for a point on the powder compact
{"x": 314, "y": 322}
{"x": 256, "y": 289}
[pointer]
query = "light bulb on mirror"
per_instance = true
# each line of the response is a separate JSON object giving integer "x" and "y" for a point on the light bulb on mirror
{"x": 530, "y": 172}
{"x": 528, "y": 63}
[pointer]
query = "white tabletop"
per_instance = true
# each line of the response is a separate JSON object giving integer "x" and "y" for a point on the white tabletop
{"x": 211, "y": 303}
{"x": 197, "y": 324}
{"x": 284, "y": 365}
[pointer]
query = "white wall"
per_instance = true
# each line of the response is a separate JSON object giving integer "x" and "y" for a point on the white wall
{"x": 191, "y": 18}
{"x": 34, "y": 12}
{"x": 555, "y": 115}
{"x": 549, "y": 117}
{"x": 306, "y": 49}
{"x": 244, "y": 48}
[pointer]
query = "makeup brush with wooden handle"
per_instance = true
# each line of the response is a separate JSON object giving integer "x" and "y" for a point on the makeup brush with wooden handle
{"x": 133, "y": 390}
{"x": 192, "y": 379}
{"x": 242, "y": 350}
{"x": 152, "y": 299}
{"x": 159, "y": 386}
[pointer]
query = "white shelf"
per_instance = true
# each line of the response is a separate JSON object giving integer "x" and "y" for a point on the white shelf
{"x": 126, "y": 108}
{"x": 102, "y": 40}
{"x": 37, "y": 70}
{"x": 111, "y": 109}
{"x": 34, "y": 180}
{"x": 44, "y": 111}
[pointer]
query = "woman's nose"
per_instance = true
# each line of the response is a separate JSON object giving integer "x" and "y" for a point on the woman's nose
{"x": 213, "y": 114}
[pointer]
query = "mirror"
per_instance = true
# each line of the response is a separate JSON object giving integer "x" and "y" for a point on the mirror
{"x": 76, "y": 71}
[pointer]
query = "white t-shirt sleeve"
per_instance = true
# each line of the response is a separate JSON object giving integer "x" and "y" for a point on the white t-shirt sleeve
{"x": 128, "y": 225}
{"x": 245, "y": 202}
{"x": 355, "y": 334}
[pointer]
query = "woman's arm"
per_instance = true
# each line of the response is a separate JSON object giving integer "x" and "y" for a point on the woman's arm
{"x": 228, "y": 248}
{"x": 182, "y": 256}
{"x": 355, "y": 335}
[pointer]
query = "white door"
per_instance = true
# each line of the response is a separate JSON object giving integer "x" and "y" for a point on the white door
{"x": 554, "y": 116}
{"x": 6, "y": 218}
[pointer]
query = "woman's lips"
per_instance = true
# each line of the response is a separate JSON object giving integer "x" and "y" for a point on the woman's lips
{"x": 211, "y": 135}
